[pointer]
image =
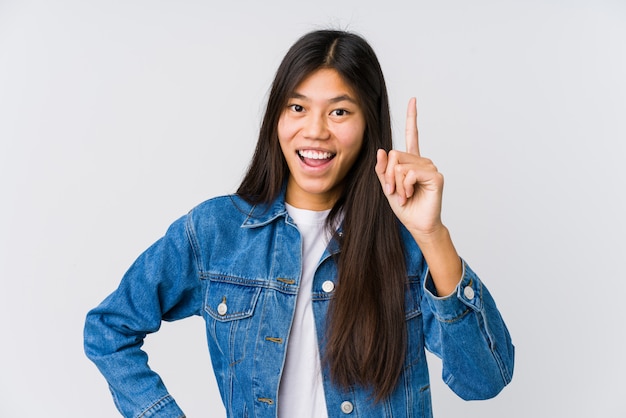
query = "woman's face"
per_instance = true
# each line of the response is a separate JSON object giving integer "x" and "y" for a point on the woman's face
{"x": 320, "y": 133}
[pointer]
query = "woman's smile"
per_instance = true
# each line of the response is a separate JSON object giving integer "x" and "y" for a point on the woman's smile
{"x": 314, "y": 158}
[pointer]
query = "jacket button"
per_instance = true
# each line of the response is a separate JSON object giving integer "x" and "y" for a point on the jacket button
{"x": 468, "y": 292}
{"x": 347, "y": 407}
{"x": 222, "y": 308}
{"x": 328, "y": 286}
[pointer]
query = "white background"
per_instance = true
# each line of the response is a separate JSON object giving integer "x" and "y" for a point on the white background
{"x": 117, "y": 117}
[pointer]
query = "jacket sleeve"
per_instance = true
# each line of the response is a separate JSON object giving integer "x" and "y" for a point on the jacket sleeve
{"x": 466, "y": 330}
{"x": 162, "y": 284}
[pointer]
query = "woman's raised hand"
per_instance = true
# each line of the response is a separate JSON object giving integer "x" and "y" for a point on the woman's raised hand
{"x": 412, "y": 183}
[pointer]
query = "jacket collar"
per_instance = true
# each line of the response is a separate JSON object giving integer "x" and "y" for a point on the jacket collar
{"x": 263, "y": 214}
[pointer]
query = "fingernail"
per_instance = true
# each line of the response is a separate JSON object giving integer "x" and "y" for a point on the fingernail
{"x": 387, "y": 188}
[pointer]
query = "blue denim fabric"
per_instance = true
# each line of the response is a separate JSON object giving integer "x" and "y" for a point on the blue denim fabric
{"x": 239, "y": 267}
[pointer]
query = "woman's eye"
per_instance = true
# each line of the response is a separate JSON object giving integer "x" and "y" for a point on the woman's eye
{"x": 296, "y": 108}
{"x": 339, "y": 112}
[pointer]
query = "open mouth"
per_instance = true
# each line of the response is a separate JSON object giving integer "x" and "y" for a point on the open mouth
{"x": 315, "y": 158}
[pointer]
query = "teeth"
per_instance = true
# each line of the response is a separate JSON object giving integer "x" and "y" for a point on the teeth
{"x": 315, "y": 155}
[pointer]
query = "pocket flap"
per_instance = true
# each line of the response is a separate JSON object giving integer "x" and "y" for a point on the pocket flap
{"x": 226, "y": 301}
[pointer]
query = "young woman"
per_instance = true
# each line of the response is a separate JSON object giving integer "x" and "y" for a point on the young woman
{"x": 325, "y": 277}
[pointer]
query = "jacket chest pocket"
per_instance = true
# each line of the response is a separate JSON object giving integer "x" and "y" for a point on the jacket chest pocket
{"x": 229, "y": 311}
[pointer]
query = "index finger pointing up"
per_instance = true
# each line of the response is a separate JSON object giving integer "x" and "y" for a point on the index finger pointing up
{"x": 412, "y": 137}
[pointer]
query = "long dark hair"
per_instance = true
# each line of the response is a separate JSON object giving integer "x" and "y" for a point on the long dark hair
{"x": 366, "y": 331}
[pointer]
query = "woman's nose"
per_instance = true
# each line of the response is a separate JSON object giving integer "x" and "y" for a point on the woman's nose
{"x": 316, "y": 128}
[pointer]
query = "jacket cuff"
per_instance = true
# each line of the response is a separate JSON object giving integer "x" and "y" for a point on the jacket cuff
{"x": 467, "y": 295}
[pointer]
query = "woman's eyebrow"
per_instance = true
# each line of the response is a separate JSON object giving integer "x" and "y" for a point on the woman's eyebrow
{"x": 341, "y": 98}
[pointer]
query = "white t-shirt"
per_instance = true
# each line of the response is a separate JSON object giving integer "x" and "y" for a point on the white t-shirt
{"x": 301, "y": 391}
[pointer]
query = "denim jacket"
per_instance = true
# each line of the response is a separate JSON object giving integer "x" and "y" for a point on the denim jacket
{"x": 239, "y": 267}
